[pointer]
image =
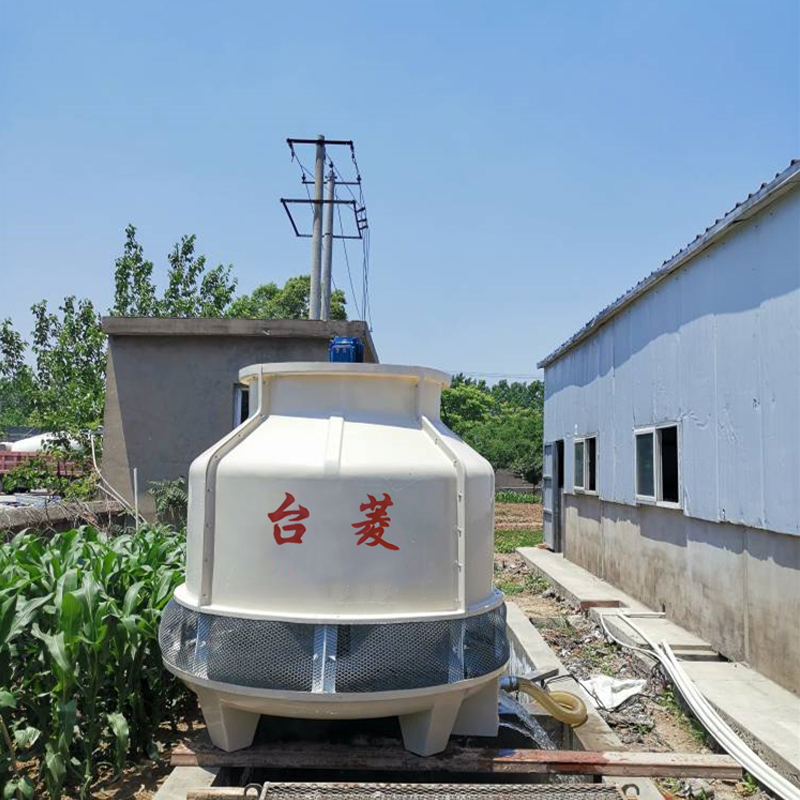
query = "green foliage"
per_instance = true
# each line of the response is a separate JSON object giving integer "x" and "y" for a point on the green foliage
{"x": 268, "y": 301}
{"x": 64, "y": 389}
{"x": 46, "y": 473}
{"x": 172, "y": 500}
{"x": 192, "y": 291}
{"x": 674, "y": 704}
{"x": 528, "y": 498}
{"x": 466, "y": 405}
{"x": 509, "y": 541}
{"x": 524, "y": 584}
{"x": 511, "y": 439}
{"x": 748, "y": 786}
{"x": 504, "y": 423}
{"x": 81, "y": 679}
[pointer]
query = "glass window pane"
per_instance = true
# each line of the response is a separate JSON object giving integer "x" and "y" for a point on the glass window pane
{"x": 668, "y": 447}
{"x": 579, "y": 464}
{"x": 645, "y": 477}
{"x": 591, "y": 462}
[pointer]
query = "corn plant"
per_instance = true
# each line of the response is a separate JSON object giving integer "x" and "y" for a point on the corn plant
{"x": 81, "y": 679}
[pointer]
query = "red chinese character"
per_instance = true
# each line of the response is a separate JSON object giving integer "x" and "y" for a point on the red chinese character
{"x": 376, "y": 522}
{"x": 283, "y": 512}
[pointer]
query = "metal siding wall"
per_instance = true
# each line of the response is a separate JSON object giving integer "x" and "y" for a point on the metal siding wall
{"x": 698, "y": 445}
{"x": 779, "y": 340}
{"x": 623, "y": 422}
{"x": 606, "y": 455}
{"x": 716, "y": 347}
{"x": 737, "y": 377}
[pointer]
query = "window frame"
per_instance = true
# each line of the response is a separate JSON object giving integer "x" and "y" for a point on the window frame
{"x": 239, "y": 389}
{"x": 657, "y": 498}
{"x": 583, "y": 489}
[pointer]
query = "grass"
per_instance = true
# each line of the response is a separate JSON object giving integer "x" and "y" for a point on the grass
{"x": 670, "y": 702}
{"x": 530, "y": 584}
{"x": 509, "y": 541}
{"x": 516, "y": 497}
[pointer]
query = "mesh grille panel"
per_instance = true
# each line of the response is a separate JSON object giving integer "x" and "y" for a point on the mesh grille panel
{"x": 399, "y": 655}
{"x": 243, "y": 652}
{"x": 437, "y": 791}
{"x": 358, "y": 658}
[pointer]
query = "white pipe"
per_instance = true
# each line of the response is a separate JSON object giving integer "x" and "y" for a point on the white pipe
{"x": 109, "y": 489}
{"x": 721, "y": 732}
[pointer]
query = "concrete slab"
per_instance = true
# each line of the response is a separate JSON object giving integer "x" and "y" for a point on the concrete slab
{"x": 685, "y": 644}
{"x": 530, "y": 652}
{"x": 182, "y": 779}
{"x": 576, "y": 584}
{"x": 763, "y": 713}
{"x": 766, "y": 715}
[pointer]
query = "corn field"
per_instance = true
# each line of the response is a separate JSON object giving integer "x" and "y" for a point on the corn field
{"x": 81, "y": 679}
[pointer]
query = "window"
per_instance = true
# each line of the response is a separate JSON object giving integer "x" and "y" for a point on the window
{"x": 241, "y": 404}
{"x": 586, "y": 464}
{"x": 657, "y": 470}
{"x": 591, "y": 464}
{"x": 579, "y": 463}
{"x": 668, "y": 450}
{"x": 645, "y": 466}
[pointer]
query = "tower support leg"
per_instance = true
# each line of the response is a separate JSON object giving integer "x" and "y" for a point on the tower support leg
{"x": 229, "y": 728}
{"x": 478, "y": 714}
{"x": 427, "y": 732}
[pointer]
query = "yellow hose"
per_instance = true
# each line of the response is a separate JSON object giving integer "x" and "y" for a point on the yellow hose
{"x": 564, "y": 706}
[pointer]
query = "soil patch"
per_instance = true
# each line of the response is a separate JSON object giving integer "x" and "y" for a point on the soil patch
{"x": 514, "y": 516}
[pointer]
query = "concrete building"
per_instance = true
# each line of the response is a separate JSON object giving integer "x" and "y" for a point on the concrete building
{"x": 672, "y": 436}
{"x": 172, "y": 386}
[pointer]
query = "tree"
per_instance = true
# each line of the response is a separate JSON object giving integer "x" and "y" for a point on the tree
{"x": 191, "y": 291}
{"x": 70, "y": 357}
{"x": 64, "y": 389}
{"x": 16, "y": 379}
{"x": 511, "y": 440}
{"x": 503, "y": 422}
{"x": 268, "y": 301}
{"x": 464, "y": 406}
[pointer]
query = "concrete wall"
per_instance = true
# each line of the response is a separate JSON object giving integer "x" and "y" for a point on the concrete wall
{"x": 715, "y": 347}
{"x": 737, "y": 587}
{"x": 170, "y": 386}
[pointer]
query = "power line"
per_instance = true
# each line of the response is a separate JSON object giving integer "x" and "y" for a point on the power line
{"x": 358, "y": 206}
{"x": 496, "y": 375}
{"x": 347, "y": 262}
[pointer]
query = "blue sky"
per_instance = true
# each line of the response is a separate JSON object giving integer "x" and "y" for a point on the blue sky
{"x": 524, "y": 162}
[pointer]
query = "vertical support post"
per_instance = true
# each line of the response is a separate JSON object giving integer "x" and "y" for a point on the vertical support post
{"x": 136, "y": 496}
{"x": 316, "y": 236}
{"x": 327, "y": 246}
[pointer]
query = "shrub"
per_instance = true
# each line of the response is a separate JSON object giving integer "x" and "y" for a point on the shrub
{"x": 171, "y": 499}
{"x": 81, "y": 679}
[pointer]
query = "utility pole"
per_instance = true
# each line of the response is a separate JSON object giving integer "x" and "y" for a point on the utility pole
{"x": 327, "y": 245}
{"x": 319, "y": 305}
{"x": 316, "y": 236}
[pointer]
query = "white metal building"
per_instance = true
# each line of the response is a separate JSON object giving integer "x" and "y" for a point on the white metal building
{"x": 672, "y": 436}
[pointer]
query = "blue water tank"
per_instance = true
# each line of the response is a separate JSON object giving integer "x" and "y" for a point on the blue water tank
{"x": 347, "y": 349}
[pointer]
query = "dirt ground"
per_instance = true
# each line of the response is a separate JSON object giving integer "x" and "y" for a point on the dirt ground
{"x": 516, "y": 516}
{"x": 653, "y": 721}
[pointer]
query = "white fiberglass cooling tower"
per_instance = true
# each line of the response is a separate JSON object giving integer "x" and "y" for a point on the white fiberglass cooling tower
{"x": 340, "y": 561}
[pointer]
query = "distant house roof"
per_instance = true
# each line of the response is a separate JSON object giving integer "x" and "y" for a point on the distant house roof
{"x": 756, "y": 201}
